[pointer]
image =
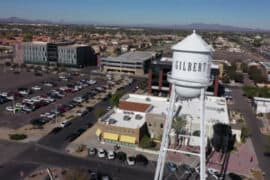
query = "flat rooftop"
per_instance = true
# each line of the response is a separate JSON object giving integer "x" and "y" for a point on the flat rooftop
{"x": 215, "y": 111}
{"x": 125, "y": 119}
{"x": 136, "y": 56}
{"x": 266, "y": 65}
{"x": 215, "y": 107}
{"x": 158, "y": 104}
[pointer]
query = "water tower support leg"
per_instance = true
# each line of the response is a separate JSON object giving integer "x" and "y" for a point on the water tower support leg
{"x": 165, "y": 136}
{"x": 202, "y": 136}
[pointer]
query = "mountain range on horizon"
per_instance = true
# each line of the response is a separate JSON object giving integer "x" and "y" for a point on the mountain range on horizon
{"x": 198, "y": 26}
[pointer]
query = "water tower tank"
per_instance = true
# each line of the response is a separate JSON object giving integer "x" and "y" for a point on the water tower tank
{"x": 192, "y": 58}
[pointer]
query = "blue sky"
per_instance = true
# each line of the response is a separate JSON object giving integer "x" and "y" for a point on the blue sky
{"x": 244, "y": 13}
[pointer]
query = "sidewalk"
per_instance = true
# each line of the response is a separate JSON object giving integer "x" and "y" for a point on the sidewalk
{"x": 240, "y": 161}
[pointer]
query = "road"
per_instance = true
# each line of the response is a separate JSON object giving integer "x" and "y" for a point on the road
{"x": 41, "y": 155}
{"x": 242, "y": 105}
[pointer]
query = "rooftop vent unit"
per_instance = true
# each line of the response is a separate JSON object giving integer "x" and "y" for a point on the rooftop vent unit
{"x": 126, "y": 118}
{"x": 112, "y": 121}
{"x": 147, "y": 99}
{"x": 138, "y": 117}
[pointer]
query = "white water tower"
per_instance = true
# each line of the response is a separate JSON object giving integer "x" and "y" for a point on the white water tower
{"x": 192, "y": 58}
{"x": 190, "y": 76}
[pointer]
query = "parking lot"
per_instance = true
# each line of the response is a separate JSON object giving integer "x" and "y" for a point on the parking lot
{"x": 51, "y": 100}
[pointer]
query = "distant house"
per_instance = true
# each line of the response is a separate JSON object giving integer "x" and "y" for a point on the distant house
{"x": 261, "y": 105}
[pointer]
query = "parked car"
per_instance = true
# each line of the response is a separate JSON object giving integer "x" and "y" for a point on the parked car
{"x": 11, "y": 108}
{"x": 24, "y": 91}
{"x": 141, "y": 160}
{"x": 56, "y": 130}
{"x": 101, "y": 153}
{"x": 122, "y": 156}
{"x": 131, "y": 160}
{"x": 111, "y": 155}
{"x": 92, "y": 151}
{"x": 65, "y": 123}
{"x": 187, "y": 169}
{"x": 171, "y": 166}
{"x": 81, "y": 113}
{"x": 36, "y": 88}
{"x": 78, "y": 99}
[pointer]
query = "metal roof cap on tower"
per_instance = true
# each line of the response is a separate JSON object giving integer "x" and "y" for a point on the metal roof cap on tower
{"x": 193, "y": 43}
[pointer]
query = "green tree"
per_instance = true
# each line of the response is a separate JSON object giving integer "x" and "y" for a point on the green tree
{"x": 257, "y": 42}
{"x": 143, "y": 84}
{"x": 264, "y": 92}
{"x": 114, "y": 100}
{"x": 17, "y": 136}
{"x": 250, "y": 91}
{"x": 178, "y": 124}
{"x": 256, "y": 74}
{"x": 27, "y": 37}
{"x": 146, "y": 142}
{"x": 244, "y": 67}
{"x": 245, "y": 133}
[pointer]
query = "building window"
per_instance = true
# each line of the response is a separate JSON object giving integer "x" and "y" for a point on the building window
{"x": 176, "y": 65}
{"x": 161, "y": 125}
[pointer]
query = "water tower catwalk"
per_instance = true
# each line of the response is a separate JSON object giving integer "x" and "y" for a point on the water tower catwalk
{"x": 190, "y": 76}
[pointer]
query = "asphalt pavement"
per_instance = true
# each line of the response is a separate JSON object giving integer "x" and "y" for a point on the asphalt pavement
{"x": 50, "y": 151}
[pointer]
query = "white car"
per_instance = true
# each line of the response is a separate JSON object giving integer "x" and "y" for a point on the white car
{"x": 51, "y": 116}
{"x": 10, "y": 108}
{"x": 44, "y": 114}
{"x": 65, "y": 124}
{"x": 36, "y": 99}
{"x": 10, "y": 97}
{"x": 24, "y": 92}
{"x": 5, "y": 94}
{"x": 63, "y": 88}
{"x": 101, "y": 153}
{"x": 131, "y": 161}
{"x": 48, "y": 84}
{"x": 19, "y": 105}
{"x": 91, "y": 82}
{"x": 111, "y": 155}
{"x": 62, "y": 77}
{"x": 36, "y": 88}
{"x": 78, "y": 99}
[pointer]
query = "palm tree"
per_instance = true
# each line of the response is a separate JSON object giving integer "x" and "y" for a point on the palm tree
{"x": 179, "y": 123}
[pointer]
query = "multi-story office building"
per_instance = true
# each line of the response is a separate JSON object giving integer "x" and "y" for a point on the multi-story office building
{"x": 61, "y": 53}
{"x": 135, "y": 63}
{"x": 76, "y": 55}
{"x": 35, "y": 52}
{"x": 157, "y": 77}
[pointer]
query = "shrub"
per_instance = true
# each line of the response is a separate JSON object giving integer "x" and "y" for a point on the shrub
{"x": 146, "y": 142}
{"x": 17, "y": 136}
{"x": 81, "y": 148}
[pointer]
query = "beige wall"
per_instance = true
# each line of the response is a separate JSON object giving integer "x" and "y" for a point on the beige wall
{"x": 154, "y": 124}
{"x": 119, "y": 130}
